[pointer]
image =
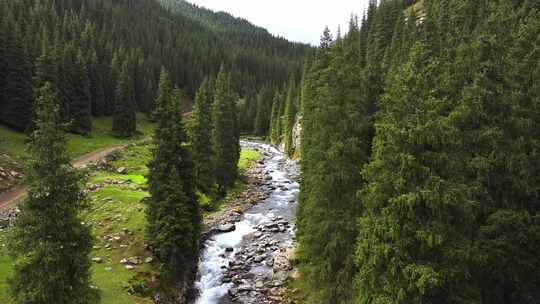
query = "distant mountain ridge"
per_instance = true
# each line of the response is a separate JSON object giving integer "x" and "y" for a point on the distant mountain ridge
{"x": 238, "y": 31}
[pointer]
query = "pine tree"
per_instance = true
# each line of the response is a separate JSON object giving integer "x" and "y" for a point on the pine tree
{"x": 275, "y": 119}
{"x": 259, "y": 124}
{"x": 17, "y": 92}
{"x": 115, "y": 69}
{"x": 46, "y": 65}
{"x": 99, "y": 103}
{"x": 201, "y": 141}
{"x": 289, "y": 117}
{"x": 334, "y": 136}
{"x": 173, "y": 211}
{"x": 80, "y": 98}
{"x": 263, "y": 112}
{"x": 225, "y": 135}
{"x": 413, "y": 240}
{"x": 50, "y": 245}
{"x": 124, "y": 119}
{"x": 497, "y": 118}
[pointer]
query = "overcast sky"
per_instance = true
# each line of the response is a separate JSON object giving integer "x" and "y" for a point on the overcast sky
{"x": 296, "y": 20}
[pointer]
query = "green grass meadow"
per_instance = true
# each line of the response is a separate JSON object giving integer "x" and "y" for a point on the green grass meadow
{"x": 117, "y": 217}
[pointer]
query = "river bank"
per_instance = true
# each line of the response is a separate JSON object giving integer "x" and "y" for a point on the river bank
{"x": 246, "y": 254}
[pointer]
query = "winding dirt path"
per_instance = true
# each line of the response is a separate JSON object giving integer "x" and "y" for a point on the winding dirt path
{"x": 10, "y": 198}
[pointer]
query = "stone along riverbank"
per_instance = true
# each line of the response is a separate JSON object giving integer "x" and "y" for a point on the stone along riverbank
{"x": 245, "y": 258}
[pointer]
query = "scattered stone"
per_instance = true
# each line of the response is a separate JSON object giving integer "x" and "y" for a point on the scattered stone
{"x": 134, "y": 260}
{"x": 122, "y": 170}
{"x": 129, "y": 267}
{"x": 97, "y": 260}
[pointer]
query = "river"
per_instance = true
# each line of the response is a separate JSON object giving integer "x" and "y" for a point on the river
{"x": 249, "y": 264}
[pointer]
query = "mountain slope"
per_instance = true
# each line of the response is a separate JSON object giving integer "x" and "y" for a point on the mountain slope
{"x": 99, "y": 37}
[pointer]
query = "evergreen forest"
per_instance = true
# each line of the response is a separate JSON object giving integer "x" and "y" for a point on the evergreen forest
{"x": 415, "y": 131}
{"x": 420, "y": 156}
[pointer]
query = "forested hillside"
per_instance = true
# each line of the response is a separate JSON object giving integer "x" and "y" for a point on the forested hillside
{"x": 420, "y": 156}
{"x": 104, "y": 57}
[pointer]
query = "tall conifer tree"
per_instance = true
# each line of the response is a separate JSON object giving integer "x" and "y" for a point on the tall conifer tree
{"x": 201, "y": 141}
{"x": 124, "y": 119}
{"x": 332, "y": 155}
{"x": 173, "y": 211}
{"x": 17, "y": 91}
{"x": 50, "y": 245}
{"x": 275, "y": 125}
{"x": 289, "y": 117}
{"x": 225, "y": 134}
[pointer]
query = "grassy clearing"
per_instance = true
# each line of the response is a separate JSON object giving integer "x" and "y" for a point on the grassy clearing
{"x": 102, "y": 137}
{"x": 13, "y": 143}
{"x": 117, "y": 217}
{"x": 5, "y": 269}
{"x": 247, "y": 159}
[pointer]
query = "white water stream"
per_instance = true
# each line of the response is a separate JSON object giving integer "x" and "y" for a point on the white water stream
{"x": 214, "y": 259}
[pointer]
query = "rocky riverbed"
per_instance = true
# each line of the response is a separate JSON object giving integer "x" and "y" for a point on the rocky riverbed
{"x": 245, "y": 258}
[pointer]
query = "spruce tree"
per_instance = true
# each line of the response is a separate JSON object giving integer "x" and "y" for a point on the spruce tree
{"x": 289, "y": 117}
{"x": 263, "y": 112}
{"x": 413, "y": 243}
{"x": 46, "y": 65}
{"x": 334, "y": 135}
{"x": 124, "y": 119}
{"x": 80, "y": 98}
{"x": 50, "y": 245}
{"x": 97, "y": 91}
{"x": 260, "y": 117}
{"x": 275, "y": 119}
{"x": 17, "y": 92}
{"x": 225, "y": 135}
{"x": 201, "y": 141}
{"x": 173, "y": 211}
{"x": 497, "y": 116}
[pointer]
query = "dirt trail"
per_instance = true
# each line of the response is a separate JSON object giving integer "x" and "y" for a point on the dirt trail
{"x": 10, "y": 198}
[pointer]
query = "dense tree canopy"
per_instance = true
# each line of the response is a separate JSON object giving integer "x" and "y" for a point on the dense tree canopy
{"x": 445, "y": 136}
{"x": 82, "y": 47}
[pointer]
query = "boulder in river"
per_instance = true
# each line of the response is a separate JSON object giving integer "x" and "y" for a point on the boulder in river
{"x": 227, "y": 228}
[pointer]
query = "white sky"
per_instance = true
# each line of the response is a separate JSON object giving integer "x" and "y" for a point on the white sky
{"x": 296, "y": 20}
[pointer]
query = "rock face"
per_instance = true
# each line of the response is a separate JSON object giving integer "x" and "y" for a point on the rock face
{"x": 297, "y": 136}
